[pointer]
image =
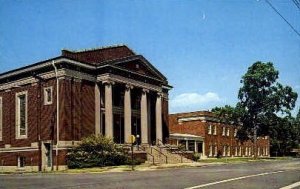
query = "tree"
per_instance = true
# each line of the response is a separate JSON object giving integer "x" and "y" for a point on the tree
{"x": 283, "y": 136}
{"x": 261, "y": 98}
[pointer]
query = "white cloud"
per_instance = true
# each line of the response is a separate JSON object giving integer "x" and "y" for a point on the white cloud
{"x": 194, "y": 99}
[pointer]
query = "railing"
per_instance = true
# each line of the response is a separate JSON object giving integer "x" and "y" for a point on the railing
{"x": 144, "y": 149}
{"x": 159, "y": 153}
{"x": 170, "y": 149}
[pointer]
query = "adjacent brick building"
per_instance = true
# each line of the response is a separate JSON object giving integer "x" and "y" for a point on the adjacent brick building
{"x": 47, "y": 107}
{"x": 203, "y": 133}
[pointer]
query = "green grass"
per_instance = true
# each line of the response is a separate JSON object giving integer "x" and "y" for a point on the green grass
{"x": 240, "y": 159}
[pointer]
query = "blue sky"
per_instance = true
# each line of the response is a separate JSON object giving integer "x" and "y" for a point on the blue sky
{"x": 203, "y": 47}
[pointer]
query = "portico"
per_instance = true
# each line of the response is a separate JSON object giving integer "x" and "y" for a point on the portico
{"x": 128, "y": 108}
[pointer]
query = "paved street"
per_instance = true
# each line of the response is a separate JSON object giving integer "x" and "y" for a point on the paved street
{"x": 265, "y": 175}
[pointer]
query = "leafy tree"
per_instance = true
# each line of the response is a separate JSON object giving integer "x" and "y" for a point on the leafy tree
{"x": 283, "y": 136}
{"x": 261, "y": 99}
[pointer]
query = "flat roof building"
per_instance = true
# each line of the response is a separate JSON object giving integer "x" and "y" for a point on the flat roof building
{"x": 203, "y": 132}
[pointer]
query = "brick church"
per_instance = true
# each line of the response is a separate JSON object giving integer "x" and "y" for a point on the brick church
{"x": 49, "y": 106}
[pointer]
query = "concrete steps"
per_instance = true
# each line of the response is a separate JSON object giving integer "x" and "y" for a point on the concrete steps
{"x": 163, "y": 156}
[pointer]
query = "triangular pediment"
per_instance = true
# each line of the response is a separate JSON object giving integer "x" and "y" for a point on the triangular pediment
{"x": 141, "y": 66}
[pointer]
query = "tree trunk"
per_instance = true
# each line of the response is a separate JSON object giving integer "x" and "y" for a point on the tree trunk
{"x": 255, "y": 142}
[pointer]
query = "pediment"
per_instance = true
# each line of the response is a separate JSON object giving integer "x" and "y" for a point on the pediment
{"x": 141, "y": 66}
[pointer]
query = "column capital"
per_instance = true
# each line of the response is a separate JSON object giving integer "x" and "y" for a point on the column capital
{"x": 108, "y": 82}
{"x": 128, "y": 86}
{"x": 159, "y": 94}
{"x": 145, "y": 90}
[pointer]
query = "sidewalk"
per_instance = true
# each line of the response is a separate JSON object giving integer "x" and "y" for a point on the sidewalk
{"x": 150, "y": 167}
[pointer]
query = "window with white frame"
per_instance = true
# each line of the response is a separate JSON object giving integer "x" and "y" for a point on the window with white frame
{"x": 216, "y": 150}
{"x": 215, "y": 130}
{"x": 209, "y": 129}
{"x": 210, "y": 150}
{"x": 228, "y": 150}
{"x": 21, "y": 115}
{"x": 224, "y": 151}
{"x": 228, "y": 132}
{"x": 1, "y": 117}
{"x": 48, "y": 95}
{"x": 223, "y": 131}
{"x": 235, "y": 132}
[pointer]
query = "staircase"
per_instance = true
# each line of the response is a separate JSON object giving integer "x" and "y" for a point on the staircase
{"x": 163, "y": 154}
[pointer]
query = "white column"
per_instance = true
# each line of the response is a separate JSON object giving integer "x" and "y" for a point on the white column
{"x": 97, "y": 110}
{"x": 127, "y": 113}
{"x": 187, "y": 145}
{"x": 144, "y": 118}
{"x": 108, "y": 110}
{"x": 158, "y": 117}
{"x": 196, "y": 149}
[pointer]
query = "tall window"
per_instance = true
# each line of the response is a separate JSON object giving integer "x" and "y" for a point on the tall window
{"x": 209, "y": 129}
{"x": 48, "y": 95}
{"x": 215, "y": 130}
{"x": 223, "y": 131}
{"x": 228, "y": 132}
{"x": 235, "y": 132}
{"x": 1, "y": 117}
{"x": 21, "y": 115}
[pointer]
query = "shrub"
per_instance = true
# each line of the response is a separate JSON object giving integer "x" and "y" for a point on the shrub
{"x": 96, "y": 151}
{"x": 195, "y": 157}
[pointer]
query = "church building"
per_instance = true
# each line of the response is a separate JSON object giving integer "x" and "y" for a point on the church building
{"x": 47, "y": 107}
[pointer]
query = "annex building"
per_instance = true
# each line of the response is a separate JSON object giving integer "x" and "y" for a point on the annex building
{"x": 49, "y": 106}
{"x": 203, "y": 133}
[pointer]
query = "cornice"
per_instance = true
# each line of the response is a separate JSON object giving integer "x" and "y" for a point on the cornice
{"x": 134, "y": 83}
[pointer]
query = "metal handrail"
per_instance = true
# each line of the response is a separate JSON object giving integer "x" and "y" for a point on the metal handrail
{"x": 160, "y": 153}
{"x": 143, "y": 148}
{"x": 181, "y": 152}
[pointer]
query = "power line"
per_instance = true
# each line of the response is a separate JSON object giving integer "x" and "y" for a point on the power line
{"x": 283, "y": 17}
{"x": 297, "y": 3}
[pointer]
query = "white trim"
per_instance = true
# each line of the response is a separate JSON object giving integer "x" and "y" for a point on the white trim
{"x": 119, "y": 79}
{"x": 18, "y": 149}
{"x": 48, "y": 63}
{"x": 1, "y": 117}
{"x": 17, "y": 121}
{"x": 46, "y": 102}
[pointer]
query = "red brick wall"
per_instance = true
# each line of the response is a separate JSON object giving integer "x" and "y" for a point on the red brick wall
{"x": 11, "y": 158}
{"x": 200, "y": 128}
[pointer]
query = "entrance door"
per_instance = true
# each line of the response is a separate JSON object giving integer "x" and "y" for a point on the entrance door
{"x": 200, "y": 147}
{"x": 47, "y": 156}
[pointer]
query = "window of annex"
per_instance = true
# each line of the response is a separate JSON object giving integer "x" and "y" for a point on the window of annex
{"x": 215, "y": 130}
{"x": 48, "y": 95}
{"x": 21, "y": 115}
{"x": 209, "y": 129}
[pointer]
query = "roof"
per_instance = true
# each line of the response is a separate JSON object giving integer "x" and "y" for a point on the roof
{"x": 193, "y": 114}
{"x": 186, "y": 136}
{"x": 100, "y": 55}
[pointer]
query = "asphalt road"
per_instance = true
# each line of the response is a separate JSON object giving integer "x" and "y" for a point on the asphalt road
{"x": 256, "y": 175}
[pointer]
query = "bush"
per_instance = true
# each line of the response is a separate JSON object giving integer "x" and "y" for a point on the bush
{"x": 96, "y": 151}
{"x": 195, "y": 157}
